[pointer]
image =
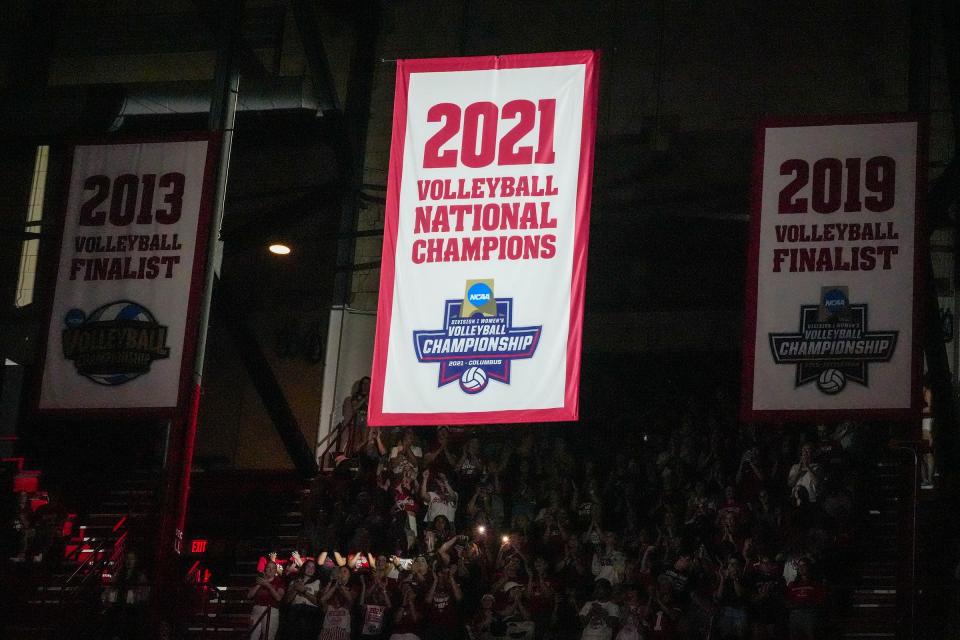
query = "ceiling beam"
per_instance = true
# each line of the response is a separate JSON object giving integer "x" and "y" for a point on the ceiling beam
{"x": 308, "y": 26}
{"x": 214, "y": 17}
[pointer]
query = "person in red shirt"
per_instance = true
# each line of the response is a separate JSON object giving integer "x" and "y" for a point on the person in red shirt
{"x": 266, "y": 595}
{"x": 732, "y": 506}
{"x": 766, "y": 609}
{"x": 405, "y": 507}
{"x": 806, "y": 599}
{"x": 270, "y": 558}
{"x": 540, "y": 589}
{"x": 663, "y": 612}
{"x": 750, "y": 475}
{"x": 441, "y": 603}
{"x": 407, "y": 619}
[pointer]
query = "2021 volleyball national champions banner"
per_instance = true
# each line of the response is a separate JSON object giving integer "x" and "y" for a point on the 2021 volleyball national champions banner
{"x": 122, "y": 324}
{"x": 833, "y": 287}
{"x": 485, "y": 240}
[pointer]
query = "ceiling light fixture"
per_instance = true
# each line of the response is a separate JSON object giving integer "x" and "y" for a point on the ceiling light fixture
{"x": 279, "y": 249}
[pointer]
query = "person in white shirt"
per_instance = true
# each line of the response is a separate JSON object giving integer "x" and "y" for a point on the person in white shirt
{"x": 805, "y": 473}
{"x": 599, "y": 617}
{"x": 406, "y": 455}
{"x": 610, "y": 564}
{"x": 302, "y": 618}
{"x": 441, "y": 501}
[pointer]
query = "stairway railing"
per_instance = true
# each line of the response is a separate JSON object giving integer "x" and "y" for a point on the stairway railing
{"x": 195, "y": 582}
{"x": 94, "y": 557}
{"x": 333, "y": 442}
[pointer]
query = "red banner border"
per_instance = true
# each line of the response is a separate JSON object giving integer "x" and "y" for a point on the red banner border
{"x": 196, "y": 280}
{"x": 912, "y": 413}
{"x": 570, "y": 410}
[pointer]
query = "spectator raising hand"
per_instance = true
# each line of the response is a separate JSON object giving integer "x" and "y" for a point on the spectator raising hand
{"x": 674, "y": 534}
{"x": 805, "y": 473}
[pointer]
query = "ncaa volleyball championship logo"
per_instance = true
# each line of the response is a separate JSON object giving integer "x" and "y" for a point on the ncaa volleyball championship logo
{"x": 115, "y": 343}
{"x": 478, "y": 340}
{"x": 833, "y": 345}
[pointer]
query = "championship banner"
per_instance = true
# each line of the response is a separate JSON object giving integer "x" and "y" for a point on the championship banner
{"x": 122, "y": 325}
{"x": 485, "y": 240}
{"x": 834, "y": 273}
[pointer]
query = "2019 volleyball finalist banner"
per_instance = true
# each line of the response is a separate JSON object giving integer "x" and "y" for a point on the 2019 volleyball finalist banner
{"x": 122, "y": 325}
{"x": 833, "y": 290}
{"x": 485, "y": 240}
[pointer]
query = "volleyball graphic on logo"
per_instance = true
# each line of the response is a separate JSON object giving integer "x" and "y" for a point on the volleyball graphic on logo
{"x": 831, "y": 381}
{"x": 119, "y": 312}
{"x": 473, "y": 380}
{"x": 115, "y": 343}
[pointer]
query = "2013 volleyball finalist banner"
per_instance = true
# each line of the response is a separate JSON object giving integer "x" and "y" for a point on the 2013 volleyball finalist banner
{"x": 122, "y": 325}
{"x": 833, "y": 289}
{"x": 485, "y": 240}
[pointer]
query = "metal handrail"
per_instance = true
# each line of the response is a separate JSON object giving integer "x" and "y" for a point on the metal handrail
{"x": 911, "y": 448}
{"x": 216, "y": 615}
{"x": 196, "y": 569}
{"x": 265, "y": 629}
{"x": 333, "y": 439}
{"x": 90, "y": 570}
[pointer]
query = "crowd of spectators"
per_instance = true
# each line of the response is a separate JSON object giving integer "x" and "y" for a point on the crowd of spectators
{"x": 679, "y": 524}
{"x": 33, "y": 534}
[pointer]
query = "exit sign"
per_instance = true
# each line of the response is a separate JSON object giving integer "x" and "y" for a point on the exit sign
{"x": 198, "y": 546}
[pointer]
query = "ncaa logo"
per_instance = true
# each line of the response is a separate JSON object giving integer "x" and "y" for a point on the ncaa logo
{"x": 479, "y": 294}
{"x": 478, "y": 298}
{"x": 834, "y": 303}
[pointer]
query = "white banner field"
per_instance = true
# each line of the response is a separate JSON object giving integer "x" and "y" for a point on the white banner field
{"x": 485, "y": 240}
{"x": 122, "y": 325}
{"x": 833, "y": 288}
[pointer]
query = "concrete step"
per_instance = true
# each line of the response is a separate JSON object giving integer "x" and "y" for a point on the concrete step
{"x": 885, "y": 596}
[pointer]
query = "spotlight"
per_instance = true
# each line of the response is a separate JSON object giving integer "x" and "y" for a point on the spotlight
{"x": 279, "y": 249}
